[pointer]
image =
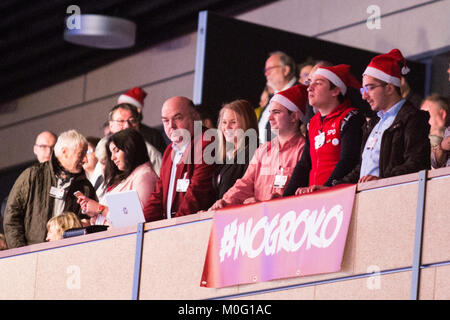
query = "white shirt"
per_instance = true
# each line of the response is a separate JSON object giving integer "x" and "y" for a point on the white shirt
{"x": 178, "y": 153}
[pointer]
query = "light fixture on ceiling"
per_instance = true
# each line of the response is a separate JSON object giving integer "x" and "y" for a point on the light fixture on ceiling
{"x": 102, "y": 32}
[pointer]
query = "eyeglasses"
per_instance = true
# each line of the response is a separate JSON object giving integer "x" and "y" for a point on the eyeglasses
{"x": 270, "y": 68}
{"x": 370, "y": 87}
{"x": 131, "y": 121}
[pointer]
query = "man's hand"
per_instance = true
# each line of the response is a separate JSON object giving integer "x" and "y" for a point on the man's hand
{"x": 309, "y": 189}
{"x": 368, "y": 177}
{"x": 219, "y": 204}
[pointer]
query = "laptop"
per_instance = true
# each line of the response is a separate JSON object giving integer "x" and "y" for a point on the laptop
{"x": 125, "y": 209}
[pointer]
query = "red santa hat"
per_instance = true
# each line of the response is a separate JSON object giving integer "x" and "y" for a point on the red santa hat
{"x": 134, "y": 96}
{"x": 293, "y": 99}
{"x": 340, "y": 76}
{"x": 386, "y": 67}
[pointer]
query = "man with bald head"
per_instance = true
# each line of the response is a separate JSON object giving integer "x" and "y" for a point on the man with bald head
{"x": 185, "y": 182}
{"x": 43, "y": 147}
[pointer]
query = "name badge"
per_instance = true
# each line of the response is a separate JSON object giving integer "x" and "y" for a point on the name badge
{"x": 57, "y": 193}
{"x": 182, "y": 184}
{"x": 319, "y": 140}
{"x": 280, "y": 180}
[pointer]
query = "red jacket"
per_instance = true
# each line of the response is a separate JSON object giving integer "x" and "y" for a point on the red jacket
{"x": 199, "y": 195}
{"x": 325, "y": 143}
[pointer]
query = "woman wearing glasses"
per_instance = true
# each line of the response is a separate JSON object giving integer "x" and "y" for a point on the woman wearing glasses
{"x": 127, "y": 168}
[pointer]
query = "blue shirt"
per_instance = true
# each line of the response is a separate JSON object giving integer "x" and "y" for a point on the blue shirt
{"x": 371, "y": 155}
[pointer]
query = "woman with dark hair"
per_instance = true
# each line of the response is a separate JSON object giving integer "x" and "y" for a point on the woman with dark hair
{"x": 127, "y": 168}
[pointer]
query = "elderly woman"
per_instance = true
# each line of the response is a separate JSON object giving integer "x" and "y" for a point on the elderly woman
{"x": 127, "y": 168}
{"x": 238, "y": 140}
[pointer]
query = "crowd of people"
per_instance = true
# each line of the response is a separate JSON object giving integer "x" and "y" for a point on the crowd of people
{"x": 304, "y": 136}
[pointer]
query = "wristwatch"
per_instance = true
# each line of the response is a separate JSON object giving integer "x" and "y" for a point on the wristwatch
{"x": 100, "y": 209}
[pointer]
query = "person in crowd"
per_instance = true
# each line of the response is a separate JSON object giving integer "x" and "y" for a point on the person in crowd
{"x": 102, "y": 158}
{"x": 58, "y": 224}
{"x": 304, "y": 69}
{"x": 310, "y": 111}
{"x": 264, "y": 99}
{"x": 47, "y": 189}
{"x": 238, "y": 140}
{"x": 3, "y": 245}
{"x": 127, "y": 168}
{"x": 280, "y": 73}
{"x": 271, "y": 167}
{"x": 438, "y": 107}
{"x": 409, "y": 94}
{"x": 125, "y": 115}
{"x": 43, "y": 147}
{"x": 334, "y": 134}
{"x": 396, "y": 141}
{"x": 136, "y": 96}
{"x": 91, "y": 161}
{"x": 185, "y": 184}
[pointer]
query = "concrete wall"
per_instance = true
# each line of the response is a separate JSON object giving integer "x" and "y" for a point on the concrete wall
{"x": 168, "y": 68}
{"x": 377, "y": 262}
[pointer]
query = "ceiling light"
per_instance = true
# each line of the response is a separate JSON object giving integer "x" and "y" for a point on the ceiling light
{"x": 99, "y": 31}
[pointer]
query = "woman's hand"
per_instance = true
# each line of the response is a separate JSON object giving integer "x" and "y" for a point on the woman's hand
{"x": 88, "y": 206}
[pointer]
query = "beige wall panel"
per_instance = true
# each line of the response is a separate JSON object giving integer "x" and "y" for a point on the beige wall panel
{"x": 53, "y": 98}
{"x": 18, "y": 277}
{"x": 305, "y": 293}
{"x": 394, "y": 286}
{"x": 427, "y": 283}
{"x": 95, "y": 270}
{"x": 313, "y": 17}
{"x": 162, "y": 61}
{"x": 436, "y": 237}
{"x": 87, "y": 119}
{"x": 397, "y": 31}
{"x": 177, "y": 276}
{"x": 158, "y": 93}
{"x": 385, "y": 230}
{"x": 442, "y": 286}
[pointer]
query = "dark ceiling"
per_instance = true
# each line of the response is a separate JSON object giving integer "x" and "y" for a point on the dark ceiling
{"x": 34, "y": 55}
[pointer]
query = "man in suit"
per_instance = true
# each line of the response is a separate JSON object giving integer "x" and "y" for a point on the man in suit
{"x": 185, "y": 182}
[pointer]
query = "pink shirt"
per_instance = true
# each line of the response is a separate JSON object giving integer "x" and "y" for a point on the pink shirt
{"x": 269, "y": 160}
{"x": 142, "y": 180}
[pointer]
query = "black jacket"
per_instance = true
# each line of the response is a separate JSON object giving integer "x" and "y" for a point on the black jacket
{"x": 405, "y": 146}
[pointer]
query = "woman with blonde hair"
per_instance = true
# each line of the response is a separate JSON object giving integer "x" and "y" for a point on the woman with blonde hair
{"x": 238, "y": 140}
{"x": 58, "y": 224}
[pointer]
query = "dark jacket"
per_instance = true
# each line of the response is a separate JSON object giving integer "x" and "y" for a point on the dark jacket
{"x": 154, "y": 137}
{"x": 226, "y": 175}
{"x": 30, "y": 205}
{"x": 405, "y": 146}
